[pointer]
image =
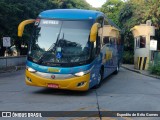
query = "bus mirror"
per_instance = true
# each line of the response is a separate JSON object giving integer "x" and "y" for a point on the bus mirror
{"x": 94, "y": 31}
{"x": 22, "y": 25}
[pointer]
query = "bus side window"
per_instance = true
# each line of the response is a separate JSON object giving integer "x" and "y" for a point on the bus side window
{"x": 100, "y": 20}
{"x": 116, "y": 41}
{"x": 105, "y": 40}
{"x": 93, "y": 49}
{"x": 119, "y": 41}
{"x": 98, "y": 45}
{"x": 112, "y": 41}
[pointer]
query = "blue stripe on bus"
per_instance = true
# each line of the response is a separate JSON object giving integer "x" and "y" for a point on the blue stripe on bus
{"x": 62, "y": 70}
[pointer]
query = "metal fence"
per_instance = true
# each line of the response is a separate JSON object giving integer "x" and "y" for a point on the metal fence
{"x": 156, "y": 57}
{"x": 12, "y": 61}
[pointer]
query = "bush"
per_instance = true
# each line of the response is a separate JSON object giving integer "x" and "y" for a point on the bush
{"x": 154, "y": 68}
{"x": 128, "y": 57}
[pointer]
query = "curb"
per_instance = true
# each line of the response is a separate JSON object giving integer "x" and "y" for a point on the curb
{"x": 12, "y": 69}
{"x": 133, "y": 70}
{"x": 137, "y": 71}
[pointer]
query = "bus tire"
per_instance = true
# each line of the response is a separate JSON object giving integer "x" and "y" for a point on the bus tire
{"x": 117, "y": 69}
{"x": 100, "y": 78}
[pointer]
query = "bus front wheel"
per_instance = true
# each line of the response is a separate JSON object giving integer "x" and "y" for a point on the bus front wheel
{"x": 117, "y": 69}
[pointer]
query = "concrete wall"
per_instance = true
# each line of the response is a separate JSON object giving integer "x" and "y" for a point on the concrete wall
{"x": 12, "y": 61}
{"x": 143, "y": 30}
{"x": 142, "y": 56}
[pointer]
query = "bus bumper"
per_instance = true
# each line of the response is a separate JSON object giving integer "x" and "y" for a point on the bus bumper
{"x": 75, "y": 83}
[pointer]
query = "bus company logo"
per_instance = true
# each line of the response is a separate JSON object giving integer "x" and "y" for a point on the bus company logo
{"x": 37, "y": 22}
{"x": 53, "y": 76}
{"x": 53, "y": 70}
{"x": 6, "y": 114}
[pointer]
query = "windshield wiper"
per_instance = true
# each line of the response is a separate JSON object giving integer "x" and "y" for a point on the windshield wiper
{"x": 44, "y": 55}
{"x": 53, "y": 46}
{"x": 59, "y": 35}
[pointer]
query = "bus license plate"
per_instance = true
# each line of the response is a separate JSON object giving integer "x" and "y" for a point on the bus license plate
{"x": 53, "y": 85}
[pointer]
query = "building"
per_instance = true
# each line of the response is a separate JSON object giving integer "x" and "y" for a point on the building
{"x": 143, "y": 34}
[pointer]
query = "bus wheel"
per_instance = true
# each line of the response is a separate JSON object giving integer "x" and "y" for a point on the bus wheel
{"x": 100, "y": 78}
{"x": 117, "y": 69}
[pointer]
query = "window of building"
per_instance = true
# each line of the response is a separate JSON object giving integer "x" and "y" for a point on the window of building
{"x": 109, "y": 40}
{"x": 137, "y": 39}
{"x": 112, "y": 41}
{"x": 140, "y": 42}
{"x": 105, "y": 40}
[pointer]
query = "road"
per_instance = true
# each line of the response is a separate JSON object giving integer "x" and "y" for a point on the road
{"x": 126, "y": 91}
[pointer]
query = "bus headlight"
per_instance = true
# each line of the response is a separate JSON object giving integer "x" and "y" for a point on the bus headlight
{"x": 79, "y": 74}
{"x": 31, "y": 70}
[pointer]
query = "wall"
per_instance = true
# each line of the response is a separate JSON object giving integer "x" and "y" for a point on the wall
{"x": 142, "y": 56}
{"x": 12, "y": 61}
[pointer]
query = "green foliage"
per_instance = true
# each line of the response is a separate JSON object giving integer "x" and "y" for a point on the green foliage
{"x": 64, "y": 4}
{"x": 128, "y": 57}
{"x": 154, "y": 68}
{"x": 139, "y": 11}
{"x": 15, "y": 11}
{"x": 125, "y": 15}
{"x": 112, "y": 8}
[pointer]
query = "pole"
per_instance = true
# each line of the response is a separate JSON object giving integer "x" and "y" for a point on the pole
{"x": 6, "y": 58}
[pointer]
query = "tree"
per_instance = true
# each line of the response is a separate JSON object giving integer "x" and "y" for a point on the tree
{"x": 78, "y": 4}
{"x": 112, "y": 8}
{"x": 15, "y": 11}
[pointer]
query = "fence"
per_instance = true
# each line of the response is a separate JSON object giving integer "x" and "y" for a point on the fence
{"x": 12, "y": 61}
{"x": 156, "y": 57}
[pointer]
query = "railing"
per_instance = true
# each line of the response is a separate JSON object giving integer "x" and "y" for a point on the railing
{"x": 12, "y": 61}
{"x": 156, "y": 57}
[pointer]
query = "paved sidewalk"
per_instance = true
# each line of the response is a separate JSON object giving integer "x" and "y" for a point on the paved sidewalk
{"x": 143, "y": 72}
{"x": 11, "y": 69}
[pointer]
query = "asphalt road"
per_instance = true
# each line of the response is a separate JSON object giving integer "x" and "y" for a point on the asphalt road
{"x": 126, "y": 91}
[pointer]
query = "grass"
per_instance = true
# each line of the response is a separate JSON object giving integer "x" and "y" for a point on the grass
{"x": 154, "y": 68}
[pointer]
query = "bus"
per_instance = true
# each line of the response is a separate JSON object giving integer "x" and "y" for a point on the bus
{"x": 71, "y": 49}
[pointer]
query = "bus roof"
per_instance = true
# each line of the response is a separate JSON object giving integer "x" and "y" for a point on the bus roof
{"x": 73, "y": 14}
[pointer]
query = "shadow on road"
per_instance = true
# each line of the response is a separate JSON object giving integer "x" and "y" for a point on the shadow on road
{"x": 49, "y": 91}
{"x": 107, "y": 79}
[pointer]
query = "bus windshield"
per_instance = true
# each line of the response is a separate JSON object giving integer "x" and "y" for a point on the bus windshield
{"x": 56, "y": 42}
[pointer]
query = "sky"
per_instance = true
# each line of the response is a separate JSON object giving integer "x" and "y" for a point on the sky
{"x": 96, "y": 3}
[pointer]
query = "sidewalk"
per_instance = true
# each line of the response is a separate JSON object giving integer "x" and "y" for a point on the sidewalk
{"x": 143, "y": 72}
{"x": 11, "y": 69}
